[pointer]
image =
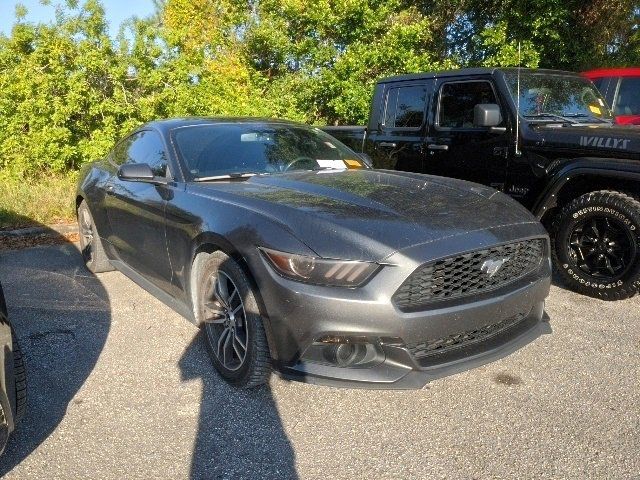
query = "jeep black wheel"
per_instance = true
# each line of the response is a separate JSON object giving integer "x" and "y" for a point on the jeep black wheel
{"x": 596, "y": 245}
{"x": 226, "y": 306}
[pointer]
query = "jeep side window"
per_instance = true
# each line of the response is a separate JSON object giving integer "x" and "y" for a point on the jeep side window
{"x": 405, "y": 106}
{"x": 627, "y": 101}
{"x": 458, "y": 99}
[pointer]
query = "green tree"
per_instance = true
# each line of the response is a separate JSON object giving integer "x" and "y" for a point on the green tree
{"x": 68, "y": 91}
{"x": 333, "y": 51}
{"x": 54, "y": 80}
{"x": 565, "y": 34}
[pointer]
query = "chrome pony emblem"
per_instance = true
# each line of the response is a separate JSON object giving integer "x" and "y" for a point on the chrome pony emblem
{"x": 491, "y": 267}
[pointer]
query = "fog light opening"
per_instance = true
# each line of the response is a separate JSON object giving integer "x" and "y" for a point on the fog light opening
{"x": 344, "y": 351}
{"x": 346, "y": 354}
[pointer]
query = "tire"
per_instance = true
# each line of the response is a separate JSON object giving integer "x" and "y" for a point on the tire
{"x": 596, "y": 245}
{"x": 225, "y": 295}
{"x": 20, "y": 376}
{"x": 91, "y": 247}
{"x": 4, "y": 430}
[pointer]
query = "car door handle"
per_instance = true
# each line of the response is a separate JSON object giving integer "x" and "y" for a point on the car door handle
{"x": 435, "y": 146}
{"x": 109, "y": 189}
{"x": 388, "y": 144}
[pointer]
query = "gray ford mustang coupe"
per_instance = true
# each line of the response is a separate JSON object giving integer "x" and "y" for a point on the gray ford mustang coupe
{"x": 294, "y": 255}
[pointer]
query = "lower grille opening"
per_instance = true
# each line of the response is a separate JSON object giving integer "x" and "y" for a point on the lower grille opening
{"x": 443, "y": 349}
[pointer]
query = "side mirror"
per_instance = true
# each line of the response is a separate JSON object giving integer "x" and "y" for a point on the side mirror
{"x": 486, "y": 115}
{"x": 136, "y": 172}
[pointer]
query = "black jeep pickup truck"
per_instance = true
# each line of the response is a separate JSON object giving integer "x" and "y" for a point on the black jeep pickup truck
{"x": 545, "y": 137}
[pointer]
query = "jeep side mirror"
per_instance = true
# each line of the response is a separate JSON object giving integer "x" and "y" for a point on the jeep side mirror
{"x": 486, "y": 115}
{"x": 136, "y": 172}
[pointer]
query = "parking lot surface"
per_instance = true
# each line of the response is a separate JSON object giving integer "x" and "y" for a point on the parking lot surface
{"x": 120, "y": 386}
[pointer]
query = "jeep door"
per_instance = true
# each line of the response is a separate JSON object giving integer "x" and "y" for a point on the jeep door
{"x": 458, "y": 148}
{"x": 398, "y": 140}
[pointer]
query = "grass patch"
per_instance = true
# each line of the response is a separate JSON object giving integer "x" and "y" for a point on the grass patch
{"x": 26, "y": 203}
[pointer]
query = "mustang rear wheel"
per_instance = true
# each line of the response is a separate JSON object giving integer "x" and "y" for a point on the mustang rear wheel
{"x": 20, "y": 374}
{"x": 596, "y": 245}
{"x": 91, "y": 248}
{"x": 227, "y": 307}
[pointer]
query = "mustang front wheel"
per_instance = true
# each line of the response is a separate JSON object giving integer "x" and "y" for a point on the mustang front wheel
{"x": 231, "y": 319}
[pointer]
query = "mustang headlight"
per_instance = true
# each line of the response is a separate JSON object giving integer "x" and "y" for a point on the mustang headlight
{"x": 319, "y": 271}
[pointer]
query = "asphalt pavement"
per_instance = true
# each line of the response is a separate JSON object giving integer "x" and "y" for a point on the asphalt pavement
{"x": 120, "y": 387}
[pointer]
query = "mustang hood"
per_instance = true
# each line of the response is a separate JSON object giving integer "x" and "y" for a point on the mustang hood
{"x": 371, "y": 213}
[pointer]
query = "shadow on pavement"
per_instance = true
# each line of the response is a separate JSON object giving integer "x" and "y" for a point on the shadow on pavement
{"x": 240, "y": 434}
{"x": 17, "y": 231}
{"x": 62, "y": 317}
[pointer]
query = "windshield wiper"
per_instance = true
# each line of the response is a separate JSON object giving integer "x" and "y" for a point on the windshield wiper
{"x": 550, "y": 115}
{"x": 586, "y": 115}
{"x": 317, "y": 169}
{"x": 228, "y": 176}
{"x": 567, "y": 117}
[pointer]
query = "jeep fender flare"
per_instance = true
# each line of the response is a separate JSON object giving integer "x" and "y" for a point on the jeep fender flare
{"x": 583, "y": 167}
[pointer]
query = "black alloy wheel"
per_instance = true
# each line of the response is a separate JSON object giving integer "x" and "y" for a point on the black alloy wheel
{"x": 596, "y": 245}
{"x": 602, "y": 247}
{"x": 227, "y": 308}
{"x": 225, "y": 321}
{"x": 85, "y": 227}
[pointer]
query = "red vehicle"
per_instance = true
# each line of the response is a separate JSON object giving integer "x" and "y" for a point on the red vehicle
{"x": 621, "y": 88}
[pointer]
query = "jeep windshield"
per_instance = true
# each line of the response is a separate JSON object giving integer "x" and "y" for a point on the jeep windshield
{"x": 546, "y": 97}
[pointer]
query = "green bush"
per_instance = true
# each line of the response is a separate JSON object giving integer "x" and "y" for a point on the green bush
{"x": 46, "y": 200}
{"x": 68, "y": 91}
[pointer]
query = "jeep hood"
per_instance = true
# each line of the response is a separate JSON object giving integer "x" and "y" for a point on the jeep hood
{"x": 589, "y": 140}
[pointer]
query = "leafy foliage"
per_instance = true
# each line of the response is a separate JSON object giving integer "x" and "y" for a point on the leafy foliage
{"x": 68, "y": 90}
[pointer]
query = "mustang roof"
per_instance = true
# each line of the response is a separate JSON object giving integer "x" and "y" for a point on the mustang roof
{"x": 168, "y": 124}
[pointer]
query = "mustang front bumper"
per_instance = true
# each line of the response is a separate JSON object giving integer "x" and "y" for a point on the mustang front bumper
{"x": 398, "y": 349}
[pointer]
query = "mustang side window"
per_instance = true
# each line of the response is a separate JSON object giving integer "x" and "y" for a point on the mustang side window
{"x": 405, "y": 106}
{"x": 457, "y": 101}
{"x": 143, "y": 147}
{"x": 119, "y": 154}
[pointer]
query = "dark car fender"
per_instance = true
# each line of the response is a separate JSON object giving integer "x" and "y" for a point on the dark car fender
{"x": 192, "y": 223}
{"x": 201, "y": 229}
{"x": 570, "y": 170}
{"x": 92, "y": 178}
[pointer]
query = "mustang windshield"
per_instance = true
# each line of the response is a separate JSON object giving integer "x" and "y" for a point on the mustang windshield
{"x": 238, "y": 150}
{"x": 555, "y": 98}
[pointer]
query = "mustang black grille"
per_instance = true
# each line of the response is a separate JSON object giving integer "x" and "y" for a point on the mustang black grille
{"x": 442, "y": 345}
{"x": 468, "y": 274}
